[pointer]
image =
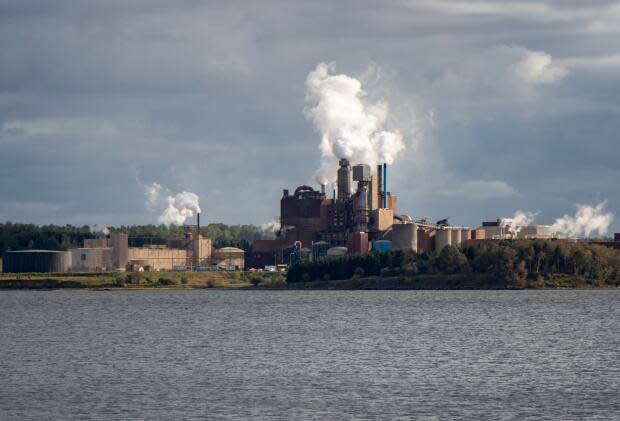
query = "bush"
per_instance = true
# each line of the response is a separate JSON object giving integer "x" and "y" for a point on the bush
{"x": 166, "y": 281}
{"x": 255, "y": 281}
{"x": 358, "y": 272}
{"x": 119, "y": 281}
{"x": 184, "y": 279}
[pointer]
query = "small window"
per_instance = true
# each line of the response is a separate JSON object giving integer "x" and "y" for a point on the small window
{"x": 83, "y": 257}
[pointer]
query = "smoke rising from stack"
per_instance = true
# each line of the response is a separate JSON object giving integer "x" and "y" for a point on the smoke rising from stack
{"x": 586, "y": 221}
{"x": 98, "y": 229}
{"x": 349, "y": 127}
{"x": 179, "y": 207}
{"x": 518, "y": 221}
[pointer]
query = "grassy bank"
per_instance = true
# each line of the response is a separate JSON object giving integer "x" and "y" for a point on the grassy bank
{"x": 239, "y": 280}
{"x": 187, "y": 280}
{"x": 449, "y": 282}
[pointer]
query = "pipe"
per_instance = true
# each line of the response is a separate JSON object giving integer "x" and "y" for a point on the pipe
{"x": 385, "y": 185}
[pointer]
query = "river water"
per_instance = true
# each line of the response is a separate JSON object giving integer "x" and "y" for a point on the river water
{"x": 294, "y": 355}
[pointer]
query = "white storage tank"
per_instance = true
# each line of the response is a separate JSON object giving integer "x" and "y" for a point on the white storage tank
{"x": 337, "y": 251}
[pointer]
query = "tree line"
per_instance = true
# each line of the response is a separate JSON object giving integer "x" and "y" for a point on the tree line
{"x": 17, "y": 236}
{"x": 517, "y": 263}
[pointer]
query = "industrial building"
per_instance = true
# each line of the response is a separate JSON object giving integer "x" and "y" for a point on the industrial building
{"x": 351, "y": 221}
{"x": 193, "y": 252}
{"x": 494, "y": 230}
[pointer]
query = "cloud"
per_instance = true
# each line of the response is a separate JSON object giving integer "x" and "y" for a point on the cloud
{"x": 537, "y": 67}
{"x": 481, "y": 190}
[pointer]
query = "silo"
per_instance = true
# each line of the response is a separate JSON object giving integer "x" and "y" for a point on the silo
{"x": 465, "y": 235}
{"x": 405, "y": 236}
{"x": 344, "y": 180}
{"x": 442, "y": 239}
{"x": 337, "y": 251}
{"x": 120, "y": 250}
{"x": 41, "y": 261}
{"x": 455, "y": 237}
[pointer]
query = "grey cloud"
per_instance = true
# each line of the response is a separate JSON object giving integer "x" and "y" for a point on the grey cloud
{"x": 209, "y": 97}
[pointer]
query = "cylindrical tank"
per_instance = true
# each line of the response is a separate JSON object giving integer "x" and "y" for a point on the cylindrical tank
{"x": 344, "y": 180}
{"x": 42, "y": 261}
{"x": 319, "y": 249}
{"x": 442, "y": 239}
{"x": 405, "y": 236}
{"x": 455, "y": 237}
{"x": 382, "y": 245}
{"x": 304, "y": 253}
{"x": 465, "y": 235}
{"x": 337, "y": 251}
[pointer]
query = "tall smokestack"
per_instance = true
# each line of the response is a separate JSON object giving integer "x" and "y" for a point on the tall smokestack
{"x": 323, "y": 189}
{"x": 380, "y": 185}
{"x": 385, "y": 185}
{"x": 196, "y": 250}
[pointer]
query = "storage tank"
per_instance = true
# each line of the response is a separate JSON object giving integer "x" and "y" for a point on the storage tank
{"x": 319, "y": 249}
{"x": 41, "y": 261}
{"x": 455, "y": 237}
{"x": 465, "y": 235}
{"x": 405, "y": 236}
{"x": 337, "y": 251}
{"x": 382, "y": 245}
{"x": 442, "y": 239}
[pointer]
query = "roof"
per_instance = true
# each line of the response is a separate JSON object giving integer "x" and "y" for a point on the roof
{"x": 230, "y": 250}
{"x": 35, "y": 251}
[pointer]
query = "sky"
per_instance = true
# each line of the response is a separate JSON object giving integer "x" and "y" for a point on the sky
{"x": 501, "y": 105}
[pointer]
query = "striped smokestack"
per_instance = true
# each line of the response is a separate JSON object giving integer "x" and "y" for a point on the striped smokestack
{"x": 385, "y": 185}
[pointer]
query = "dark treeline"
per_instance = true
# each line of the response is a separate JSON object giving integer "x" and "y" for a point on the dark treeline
{"x": 63, "y": 237}
{"x": 516, "y": 263}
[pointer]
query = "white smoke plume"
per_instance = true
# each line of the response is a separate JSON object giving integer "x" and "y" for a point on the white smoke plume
{"x": 586, "y": 221}
{"x": 349, "y": 127}
{"x": 98, "y": 229}
{"x": 270, "y": 229}
{"x": 153, "y": 194}
{"x": 515, "y": 224}
{"x": 180, "y": 207}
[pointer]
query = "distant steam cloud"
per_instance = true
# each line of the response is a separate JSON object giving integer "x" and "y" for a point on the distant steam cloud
{"x": 98, "y": 229}
{"x": 586, "y": 221}
{"x": 349, "y": 127}
{"x": 519, "y": 220}
{"x": 179, "y": 207}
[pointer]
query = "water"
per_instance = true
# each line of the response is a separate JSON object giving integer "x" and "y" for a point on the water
{"x": 168, "y": 355}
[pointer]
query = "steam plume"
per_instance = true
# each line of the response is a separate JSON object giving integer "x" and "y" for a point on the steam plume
{"x": 515, "y": 224}
{"x": 349, "y": 128}
{"x": 180, "y": 207}
{"x": 153, "y": 194}
{"x": 587, "y": 220}
{"x": 98, "y": 229}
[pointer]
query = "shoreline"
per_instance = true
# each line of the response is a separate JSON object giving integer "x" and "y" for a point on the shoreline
{"x": 243, "y": 282}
